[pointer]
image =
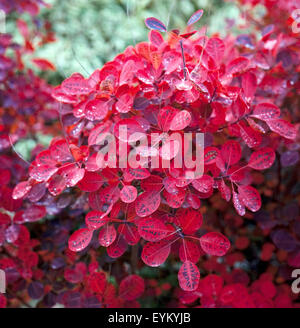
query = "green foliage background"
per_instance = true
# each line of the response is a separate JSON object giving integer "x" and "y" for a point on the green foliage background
{"x": 91, "y": 32}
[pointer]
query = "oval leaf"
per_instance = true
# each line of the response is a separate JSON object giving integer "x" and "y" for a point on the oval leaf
{"x": 155, "y": 24}
{"x": 262, "y": 159}
{"x": 250, "y": 197}
{"x": 155, "y": 254}
{"x": 147, "y": 203}
{"x": 195, "y": 17}
{"x": 107, "y": 235}
{"x": 152, "y": 229}
{"x": 188, "y": 276}
{"x": 283, "y": 128}
{"x": 80, "y": 239}
{"x": 214, "y": 243}
{"x": 266, "y": 111}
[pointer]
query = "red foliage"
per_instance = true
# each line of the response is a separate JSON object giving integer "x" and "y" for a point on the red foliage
{"x": 240, "y": 92}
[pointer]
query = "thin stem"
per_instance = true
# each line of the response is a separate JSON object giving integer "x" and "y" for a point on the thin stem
{"x": 183, "y": 59}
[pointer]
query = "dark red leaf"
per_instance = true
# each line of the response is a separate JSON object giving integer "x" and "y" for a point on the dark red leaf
{"x": 214, "y": 243}
{"x": 80, "y": 239}
{"x": 250, "y": 197}
{"x": 188, "y": 276}
{"x": 155, "y": 254}
{"x": 147, "y": 203}
{"x": 152, "y": 229}
{"x": 107, "y": 235}
{"x": 132, "y": 287}
{"x": 96, "y": 219}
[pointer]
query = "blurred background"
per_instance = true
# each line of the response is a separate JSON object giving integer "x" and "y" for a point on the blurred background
{"x": 90, "y": 33}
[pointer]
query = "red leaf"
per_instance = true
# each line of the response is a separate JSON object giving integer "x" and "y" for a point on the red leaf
{"x": 166, "y": 116}
{"x": 238, "y": 203}
{"x": 187, "y": 35}
{"x": 128, "y": 129}
{"x": 42, "y": 172}
{"x": 215, "y": 48}
{"x": 98, "y": 133}
{"x": 75, "y": 85}
{"x": 249, "y": 85}
{"x": 154, "y": 182}
{"x": 43, "y": 64}
{"x": 175, "y": 200}
{"x": 107, "y": 235}
{"x": 155, "y": 254}
{"x": 128, "y": 194}
{"x": 238, "y": 65}
{"x": 251, "y": 137}
{"x": 211, "y": 285}
{"x": 181, "y": 120}
{"x": 152, "y": 229}
{"x": 189, "y": 220}
{"x": 127, "y": 72}
{"x": 72, "y": 174}
{"x": 250, "y": 197}
{"x": 283, "y": 128}
{"x": 132, "y": 287}
{"x": 231, "y": 152}
{"x": 80, "y": 239}
{"x": 90, "y": 182}
{"x": 147, "y": 203}
{"x": 96, "y": 109}
{"x": 203, "y": 184}
{"x": 138, "y": 174}
{"x": 155, "y": 38}
{"x": 214, "y": 243}
{"x": 95, "y": 162}
{"x": 60, "y": 151}
{"x": 225, "y": 190}
{"x": 262, "y": 159}
{"x": 188, "y": 276}
{"x": 96, "y": 219}
{"x": 45, "y": 158}
{"x": 266, "y": 111}
{"x": 21, "y": 189}
{"x": 117, "y": 248}
{"x": 97, "y": 282}
{"x": 56, "y": 185}
{"x": 34, "y": 213}
{"x": 170, "y": 185}
{"x": 124, "y": 103}
{"x": 156, "y": 59}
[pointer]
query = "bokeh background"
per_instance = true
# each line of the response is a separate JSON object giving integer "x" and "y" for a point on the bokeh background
{"x": 90, "y": 33}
